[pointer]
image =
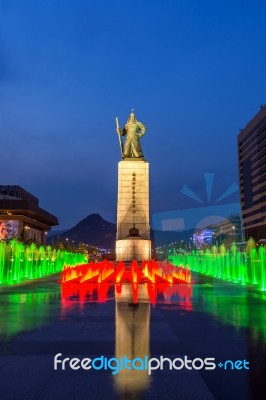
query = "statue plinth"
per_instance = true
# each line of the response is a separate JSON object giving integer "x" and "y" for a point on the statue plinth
{"x": 135, "y": 159}
{"x": 133, "y": 210}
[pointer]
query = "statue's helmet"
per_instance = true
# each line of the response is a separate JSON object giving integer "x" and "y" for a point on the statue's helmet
{"x": 131, "y": 117}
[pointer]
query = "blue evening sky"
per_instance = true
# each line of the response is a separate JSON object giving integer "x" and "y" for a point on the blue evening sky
{"x": 194, "y": 71}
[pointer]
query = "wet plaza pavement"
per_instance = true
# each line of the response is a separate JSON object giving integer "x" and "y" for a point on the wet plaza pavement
{"x": 208, "y": 318}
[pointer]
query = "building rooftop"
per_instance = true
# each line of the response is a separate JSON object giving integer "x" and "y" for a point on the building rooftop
{"x": 252, "y": 124}
{"x": 14, "y": 200}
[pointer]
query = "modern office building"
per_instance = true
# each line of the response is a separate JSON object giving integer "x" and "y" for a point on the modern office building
{"x": 21, "y": 217}
{"x": 252, "y": 175}
{"x": 227, "y": 231}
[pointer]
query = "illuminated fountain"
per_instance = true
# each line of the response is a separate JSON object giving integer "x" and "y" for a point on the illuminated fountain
{"x": 95, "y": 279}
{"x": 245, "y": 268}
{"x": 137, "y": 286}
{"x": 19, "y": 262}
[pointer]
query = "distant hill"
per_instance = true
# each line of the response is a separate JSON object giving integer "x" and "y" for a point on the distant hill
{"x": 94, "y": 230}
{"x": 55, "y": 233}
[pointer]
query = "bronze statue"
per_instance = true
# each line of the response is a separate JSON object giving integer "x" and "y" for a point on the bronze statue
{"x": 133, "y": 130}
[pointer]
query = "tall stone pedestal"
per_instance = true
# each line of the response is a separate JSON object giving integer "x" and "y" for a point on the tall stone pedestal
{"x": 133, "y": 249}
{"x": 133, "y": 211}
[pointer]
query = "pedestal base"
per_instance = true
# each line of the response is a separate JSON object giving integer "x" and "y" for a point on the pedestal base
{"x": 133, "y": 198}
{"x": 133, "y": 249}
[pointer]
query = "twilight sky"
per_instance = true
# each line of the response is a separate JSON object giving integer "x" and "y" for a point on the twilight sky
{"x": 194, "y": 71}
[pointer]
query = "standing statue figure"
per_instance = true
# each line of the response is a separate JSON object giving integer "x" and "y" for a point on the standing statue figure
{"x": 133, "y": 130}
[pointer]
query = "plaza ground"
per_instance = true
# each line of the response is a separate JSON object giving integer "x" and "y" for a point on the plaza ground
{"x": 209, "y": 318}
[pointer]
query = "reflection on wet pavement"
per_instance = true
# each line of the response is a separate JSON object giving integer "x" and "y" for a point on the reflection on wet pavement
{"x": 208, "y": 318}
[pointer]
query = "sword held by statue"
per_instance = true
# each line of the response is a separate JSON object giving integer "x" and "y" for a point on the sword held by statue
{"x": 119, "y": 136}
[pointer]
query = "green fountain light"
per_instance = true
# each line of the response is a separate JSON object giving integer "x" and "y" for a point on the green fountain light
{"x": 19, "y": 262}
{"x": 245, "y": 268}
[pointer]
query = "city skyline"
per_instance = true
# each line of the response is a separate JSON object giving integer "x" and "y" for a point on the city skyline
{"x": 192, "y": 72}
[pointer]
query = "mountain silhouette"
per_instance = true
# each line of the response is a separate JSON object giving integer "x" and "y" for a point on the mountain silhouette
{"x": 96, "y": 231}
{"x": 92, "y": 230}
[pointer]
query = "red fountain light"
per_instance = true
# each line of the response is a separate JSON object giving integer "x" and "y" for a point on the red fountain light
{"x": 95, "y": 279}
